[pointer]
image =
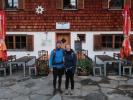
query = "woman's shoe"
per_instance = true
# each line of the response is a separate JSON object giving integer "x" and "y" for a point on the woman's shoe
{"x": 71, "y": 92}
{"x": 66, "y": 92}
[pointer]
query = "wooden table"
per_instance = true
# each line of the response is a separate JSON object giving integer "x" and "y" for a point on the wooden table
{"x": 108, "y": 59}
{"x": 23, "y": 61}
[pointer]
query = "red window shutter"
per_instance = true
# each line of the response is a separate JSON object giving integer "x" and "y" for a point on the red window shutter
{"x": 105, "y": 4}
{"x": 131, "y": 41}
{"x": 128, "y": 2}
{"x": 80, "y": 4}
{"x": 21, "y": 4}
{"x": 97, "y": 42}
{"x": 59, "y": 4}
{"x": 2, "y": 4}
{"x": 30, "y": 42}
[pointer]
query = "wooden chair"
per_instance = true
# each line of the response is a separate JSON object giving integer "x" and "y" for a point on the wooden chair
{"x": 3, "y": 67}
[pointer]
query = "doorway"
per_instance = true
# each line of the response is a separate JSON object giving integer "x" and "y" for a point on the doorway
{"x": 64, "y": 37}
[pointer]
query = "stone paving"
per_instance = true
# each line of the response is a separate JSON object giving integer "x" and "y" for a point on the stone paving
{"x": 86, "y": 88}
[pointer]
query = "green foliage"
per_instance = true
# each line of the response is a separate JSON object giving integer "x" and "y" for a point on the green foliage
{"x": 84, "y": 64}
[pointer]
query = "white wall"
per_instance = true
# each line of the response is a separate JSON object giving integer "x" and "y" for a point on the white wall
{"x": 40, "y": 37}
{"x": 39, "y": 44}
{"x": 89, "y": 43}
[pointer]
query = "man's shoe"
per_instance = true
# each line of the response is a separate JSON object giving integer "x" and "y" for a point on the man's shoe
{"x": 54, "y": 91}
{"x": 60, "y": 91}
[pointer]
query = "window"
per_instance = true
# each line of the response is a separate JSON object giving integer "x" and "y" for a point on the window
{"x": 11, "y": 4}
{"x": 112, "y": 41}
{"x": 116, "y": 4}
{"x": 19, "y": 42}
{"x": 70, "y": 4}
{"x": 9, "y": 42}
{"x": 82, "y": 37}
{"x": 108, "y": 41}
{"x": 118, "y": 41}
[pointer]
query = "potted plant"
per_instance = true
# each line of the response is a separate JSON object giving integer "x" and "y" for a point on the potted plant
{"x": 84, "y": 66}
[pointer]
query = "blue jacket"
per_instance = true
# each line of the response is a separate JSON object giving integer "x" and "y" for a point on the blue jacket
{"x": 56, "y": 58}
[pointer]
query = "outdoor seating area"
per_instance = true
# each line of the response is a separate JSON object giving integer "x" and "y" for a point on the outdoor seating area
{"x": 103, "y": 65}
{"x": 122, "y": 66}
{"x": 30, "y": 65}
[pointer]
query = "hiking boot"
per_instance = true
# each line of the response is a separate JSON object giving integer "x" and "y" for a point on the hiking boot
{"x": 60, "y": 91}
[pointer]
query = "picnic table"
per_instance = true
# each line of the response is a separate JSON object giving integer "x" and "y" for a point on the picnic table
{"x": 108, "y": 59}
{"x": 21, "y": 61}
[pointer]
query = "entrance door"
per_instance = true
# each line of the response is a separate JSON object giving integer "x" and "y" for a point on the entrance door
{"x": 64, "y": 37}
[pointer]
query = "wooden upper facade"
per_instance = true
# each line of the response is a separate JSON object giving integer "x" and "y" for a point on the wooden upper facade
{"x": 88, "y": 15}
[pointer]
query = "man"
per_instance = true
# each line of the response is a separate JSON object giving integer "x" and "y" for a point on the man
{"x": 57, "y": 63}
{"x": 70, "y": 66}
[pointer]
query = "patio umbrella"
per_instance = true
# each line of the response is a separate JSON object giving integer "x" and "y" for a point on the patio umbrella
{"x": 126, "y": 47}
{"x": 3, "y": 49}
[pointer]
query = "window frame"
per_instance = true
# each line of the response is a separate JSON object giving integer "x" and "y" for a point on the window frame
{"x": 21, "y": 6}
{"x": 20, "y": 42}
{"x": 83, "y": 41}
{"x": 70, "y": 8}
{"x": 113, "y": 42}
{"x": 113, "y": 45}
{"x": 80, "y": 5}
{"x": 11, "y": 8}
{"x": 116, "y": 8}
{"x": 106, "y": 36}
{"x": 15, "y": 42}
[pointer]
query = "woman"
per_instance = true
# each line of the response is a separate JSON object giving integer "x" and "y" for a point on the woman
{"x": 70, "y": 66}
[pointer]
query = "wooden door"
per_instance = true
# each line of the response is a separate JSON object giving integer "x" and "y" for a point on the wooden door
{"x": 64, "y": 37}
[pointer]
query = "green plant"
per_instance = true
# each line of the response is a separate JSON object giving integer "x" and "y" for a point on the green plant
{"x": 84, "y": 64}
{"x": 43, "y": 67}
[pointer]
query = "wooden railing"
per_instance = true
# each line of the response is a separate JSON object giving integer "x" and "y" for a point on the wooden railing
{"x": 42, "y": 63}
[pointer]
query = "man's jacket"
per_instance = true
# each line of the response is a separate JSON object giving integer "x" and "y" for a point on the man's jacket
{"x": 56, "y": 58}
